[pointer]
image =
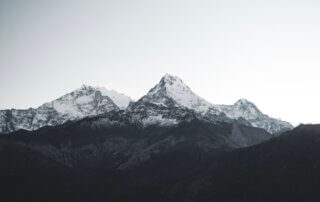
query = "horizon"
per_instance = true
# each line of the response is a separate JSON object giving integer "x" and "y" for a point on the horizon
{"x": 265, "y": 52}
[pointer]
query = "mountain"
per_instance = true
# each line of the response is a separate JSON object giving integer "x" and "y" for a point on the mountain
{"x": 83, "y": 102}
{"x": 244, "y": 109}
{"x": 172, "y": 92}
{"x": 170, "y": 145}
{"x": 285, "y": 168}
{"x": 131, "y": 138}
{"x": 89, "y": 159}
{"x": 115, "y": 157}
{"x": 121, "y": 100}
{"x": 168, "y": 93}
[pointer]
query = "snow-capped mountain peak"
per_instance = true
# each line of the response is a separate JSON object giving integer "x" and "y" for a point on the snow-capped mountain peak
{"x": 82, "y": 102}
{"x": 171, "y": 91}
{"x": 243, "y": 101}
{"x": 171, "y": 80}
{"x": 85, "y": 87}
{"x": 170, "y": 84}
{"x": 245, "y": 109}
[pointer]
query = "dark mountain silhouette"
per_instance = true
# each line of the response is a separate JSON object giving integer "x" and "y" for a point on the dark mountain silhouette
{"x": 195, "y": 160}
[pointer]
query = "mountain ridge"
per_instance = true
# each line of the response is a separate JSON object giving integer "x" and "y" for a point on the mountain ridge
{"x": 82, "y": 102}
{"x": 170, "y": 92}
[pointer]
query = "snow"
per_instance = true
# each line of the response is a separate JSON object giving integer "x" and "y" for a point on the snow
{"x": 80, "y": 103}
{"x": 158, "y": 120}
{"x": 242, "y": 108}
{"x": 84, "y": 99}
{"x": 170, "y": 92}
{"x": 175, "y": 88}
{"x": 83, "y": 102}
{"x": 172, "y": 87}
{"x": 66, "y": 108}
{"x": 121, "y": 100}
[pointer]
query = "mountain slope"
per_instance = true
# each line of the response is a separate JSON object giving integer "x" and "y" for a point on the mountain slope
{"x": 244, "y": 109}
{"x": 121, "y": 100}
{"x": 191, "y": 161}
{"x": 131, "y": 137}
{"x": 285, "y": 168}
{"x": 172, "y": 92}
{"x": 83, "y": 102}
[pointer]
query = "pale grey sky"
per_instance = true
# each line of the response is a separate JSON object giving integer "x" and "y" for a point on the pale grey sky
{"x": 265, "y": 51}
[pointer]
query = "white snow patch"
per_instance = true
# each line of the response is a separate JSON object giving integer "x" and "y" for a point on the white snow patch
{"x": 67, "y": 108}
{"x": 181, "y": 93}
{"x": 158, "y": 120}
{"x": 85, "y": 99}
{"x": 121, "y": 100}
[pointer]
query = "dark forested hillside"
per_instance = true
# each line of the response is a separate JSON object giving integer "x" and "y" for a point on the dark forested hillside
{"x": 195, "y": 161}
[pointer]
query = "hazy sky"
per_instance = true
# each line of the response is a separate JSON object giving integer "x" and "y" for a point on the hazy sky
{"x": 266, "y": 51}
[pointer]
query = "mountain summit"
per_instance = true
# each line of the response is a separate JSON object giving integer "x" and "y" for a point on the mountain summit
{"x": 246, "y": 110}
{"x": 171, "y": 91}
{"x": 84, "y": 101}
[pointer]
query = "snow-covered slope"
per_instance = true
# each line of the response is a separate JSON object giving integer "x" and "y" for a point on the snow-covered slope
{"x": 172, "y": 92}
{"x": 244, "y": 109}
{"x": 83, "y": 102}
{"x": 121, "y": 100}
